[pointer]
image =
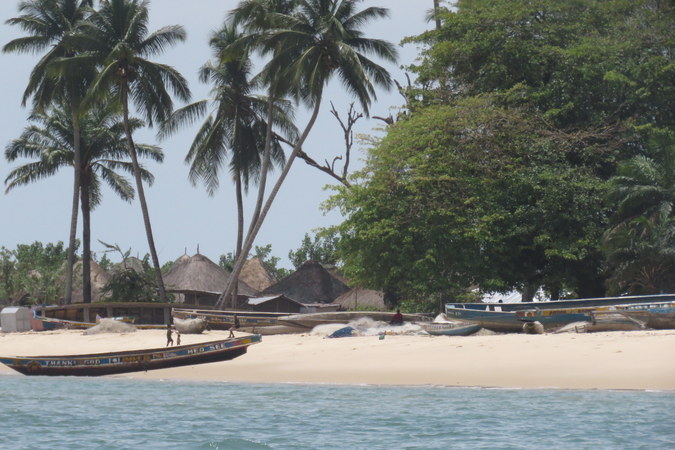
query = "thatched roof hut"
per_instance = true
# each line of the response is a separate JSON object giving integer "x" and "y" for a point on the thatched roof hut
{"x": 201, "y": 280}
{"x": 311, "y": 283}
{"x": 362, "y": 298}
{"x": 99, "y": 278}
{"x": 129, "y": 263}
{"x": 255, "y": 274}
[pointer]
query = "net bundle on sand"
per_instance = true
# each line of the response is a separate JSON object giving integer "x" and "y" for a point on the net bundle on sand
{"x": 110, "y": 326}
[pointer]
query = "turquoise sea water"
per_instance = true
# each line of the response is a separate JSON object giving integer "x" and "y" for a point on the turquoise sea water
{"x": 116, "y": 413}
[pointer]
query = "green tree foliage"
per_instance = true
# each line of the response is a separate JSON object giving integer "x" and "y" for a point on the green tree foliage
{"x": 582, "y": 63}
{"x": 321, "y": 249}
{"x": 51, "y": 26}
{"x": 32, "y": 273}
{"x": 464, "y": 194}
{"x": 49, "y": 142}
{"x": 640, "y": 245}
{"x": 127, "y": 283}
{"x": 521, "y": 113}
{"x": 119, "y": 42}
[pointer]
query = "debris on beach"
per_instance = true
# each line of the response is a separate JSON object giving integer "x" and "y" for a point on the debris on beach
{"x": 574, "y": 327}
{"x": 110, "y": 326}
{"x": 342, "y": 332}
{"x": 189, "y": 326}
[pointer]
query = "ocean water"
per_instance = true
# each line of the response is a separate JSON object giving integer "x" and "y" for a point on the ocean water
{"x": 114, "y": 413}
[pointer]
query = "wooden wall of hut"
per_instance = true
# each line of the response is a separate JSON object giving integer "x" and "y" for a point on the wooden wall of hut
{"x": 280, "y": 304}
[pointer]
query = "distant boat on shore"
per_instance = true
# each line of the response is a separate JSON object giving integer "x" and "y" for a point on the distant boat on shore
{"x": 450, "y": 328}
{"x": 223, "y": 320}
{"x": 97, "y": 364}
{"x": 310, "y": 320}
{"x": 510, "y": 317}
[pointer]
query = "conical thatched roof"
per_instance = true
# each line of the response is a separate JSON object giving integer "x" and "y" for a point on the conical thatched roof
{"x": 362, "y": 298}
{"x": 130, "y": 262}
{"x": 255, "y": 274}
{"x": 199, "y": 274}
{"x": 99, "y": 278}
{"x": 311, "y": 283}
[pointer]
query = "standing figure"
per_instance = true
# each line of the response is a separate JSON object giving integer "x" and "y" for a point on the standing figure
{"x": 169, "y": 339}
{"x": 235, "y": 326}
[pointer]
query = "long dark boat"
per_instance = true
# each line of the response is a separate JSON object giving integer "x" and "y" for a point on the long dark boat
{"x": 551, "y": 315}
{"x": 97, "y": 364}
{"x": 223, "y": 320}
{"x": 659, "y": 316}
{"x": 310, "y": 320}
{"x": 565, "y": 304}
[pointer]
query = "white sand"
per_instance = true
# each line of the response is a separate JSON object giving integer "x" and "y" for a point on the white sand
{"x": 616, "y": 360}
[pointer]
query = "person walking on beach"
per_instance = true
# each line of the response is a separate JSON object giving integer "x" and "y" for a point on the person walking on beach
{"x": 177, "y": 337}
{"x": 169, "y": 339}
{"x": 235, "y": 326}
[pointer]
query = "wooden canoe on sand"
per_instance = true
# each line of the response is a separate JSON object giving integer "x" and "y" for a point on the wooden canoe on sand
{"x": 96, "y": 364}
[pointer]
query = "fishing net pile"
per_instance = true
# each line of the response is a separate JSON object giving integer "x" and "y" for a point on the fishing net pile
{"x": 365, "y": 326}
{"x": 110, "y": 326}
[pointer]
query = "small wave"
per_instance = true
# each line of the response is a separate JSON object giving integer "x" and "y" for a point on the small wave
{"x": 242, "y": 444}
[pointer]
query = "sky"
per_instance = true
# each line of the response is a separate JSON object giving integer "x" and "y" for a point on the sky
{"x": 185, "y": 219}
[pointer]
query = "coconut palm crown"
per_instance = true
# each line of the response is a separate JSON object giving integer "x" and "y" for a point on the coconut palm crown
{"x": 318, "y": 39}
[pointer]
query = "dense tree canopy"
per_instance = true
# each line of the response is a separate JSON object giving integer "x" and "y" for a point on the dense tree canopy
{"x": 470, "y": 193}
{"x": 498, "y": 174}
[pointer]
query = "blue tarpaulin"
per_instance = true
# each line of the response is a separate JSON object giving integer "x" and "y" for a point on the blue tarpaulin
{"x": 342, "y": 332}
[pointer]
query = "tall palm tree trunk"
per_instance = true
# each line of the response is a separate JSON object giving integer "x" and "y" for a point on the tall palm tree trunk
{"x": 262, "y": 184}
{"x": 240, "y": 234}
{"x": 86, "y": 239}
{"x": 250, "y": 238}
{"x": 437, "y": 7}
{"x": 141, "y": 198}
{"x": 77, "y": 162}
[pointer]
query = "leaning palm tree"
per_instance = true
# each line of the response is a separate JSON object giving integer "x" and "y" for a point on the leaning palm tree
{"x": 309, "y": 44}
{"x": 235, "y": 130}
{"x": 50, "y": 24}
{"x": 118, "y": 37}
{"x": 50, "y": 143}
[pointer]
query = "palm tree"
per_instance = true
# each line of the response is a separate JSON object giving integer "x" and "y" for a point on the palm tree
{"x": 50, "y": 142}
{"x": 50, "y": 24}
{"x": 309, "y": 44}
{"x": 645, "y": 186}
{"x": 641, "y": 257}
{"x": 118, "y": 37}
{"x": 640, "y": 244}
{"x": 235, "y": 126}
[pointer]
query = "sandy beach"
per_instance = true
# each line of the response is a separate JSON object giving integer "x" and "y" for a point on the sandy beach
{"x": 613, "y": 360}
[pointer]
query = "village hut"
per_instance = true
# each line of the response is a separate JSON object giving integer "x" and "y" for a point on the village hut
{"x": 200, "y": 282}
{"x": 255, "y": 274}
{"x": 359, "y": 298}
{"x": 129, "y": 263}
{"x": 99, "y": 278}
{"x": 311, "y": 283}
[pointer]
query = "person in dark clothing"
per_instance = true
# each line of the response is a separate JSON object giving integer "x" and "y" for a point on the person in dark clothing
{"x": 235, "y": 326}
{"x": 169, "y": 339}
{"x": 397, "y": 318}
